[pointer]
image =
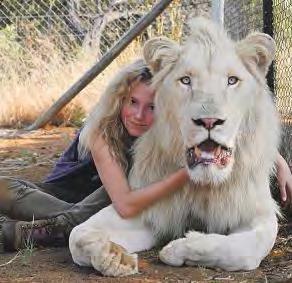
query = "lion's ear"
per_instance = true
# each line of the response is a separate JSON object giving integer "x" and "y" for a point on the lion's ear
{"x": 159, "y": 52}
{"x": 259, "y": 49}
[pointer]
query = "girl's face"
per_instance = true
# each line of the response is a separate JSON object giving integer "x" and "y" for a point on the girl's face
{"x": 138, "y": 109}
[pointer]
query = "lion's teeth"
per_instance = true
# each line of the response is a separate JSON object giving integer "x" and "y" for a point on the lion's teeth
{"x": 197, "y": 152}
{"x": 207, "y": 155}
{"x": 218, "y": 151}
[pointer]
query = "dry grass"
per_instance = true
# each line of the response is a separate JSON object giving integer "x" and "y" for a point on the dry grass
{"x": 37, "y": 70}
{"x": 30, "y": 84}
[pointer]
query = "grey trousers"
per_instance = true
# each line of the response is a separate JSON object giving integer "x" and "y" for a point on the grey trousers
{"x": 23, "y": 200}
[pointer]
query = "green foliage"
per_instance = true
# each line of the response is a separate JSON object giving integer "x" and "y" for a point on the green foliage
{"x": 77, "y": 116}
{"x": 9, "y": 42}
{"x": 11, "y": 52}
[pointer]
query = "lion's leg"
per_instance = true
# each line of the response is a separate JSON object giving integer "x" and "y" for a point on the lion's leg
{"x": 106, "y": 241}
{"x": 240, "y": 250}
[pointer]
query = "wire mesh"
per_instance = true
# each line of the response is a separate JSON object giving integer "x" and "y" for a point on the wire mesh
{"x": 282, "y": 26}
{"x": 35, "y": 27}
{"x": 243, "y": 16}
{"x": 69, "y": 23}
{"x": 46, "y": 45}
{"x": 85, "y": 23}
{"x": 43, "y": 28}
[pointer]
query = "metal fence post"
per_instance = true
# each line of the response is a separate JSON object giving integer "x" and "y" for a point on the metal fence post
{"x": 218, "y": 11}
{"x": 269, "y": 29}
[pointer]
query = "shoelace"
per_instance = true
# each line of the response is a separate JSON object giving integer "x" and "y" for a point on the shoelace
{"x": 40, "y": 234}
{"x": 34, "y": 233}
{"x": 2, "y": 218}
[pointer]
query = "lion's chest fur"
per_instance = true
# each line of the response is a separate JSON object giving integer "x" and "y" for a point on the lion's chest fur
{"x": 200, "y": 209}
{"x": 221, "y": 209}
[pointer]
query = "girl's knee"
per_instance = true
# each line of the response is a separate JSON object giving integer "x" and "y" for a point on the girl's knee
{"x": 11, "y": 190}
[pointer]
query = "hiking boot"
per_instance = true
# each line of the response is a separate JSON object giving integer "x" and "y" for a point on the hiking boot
{"x": 21, "y": 234}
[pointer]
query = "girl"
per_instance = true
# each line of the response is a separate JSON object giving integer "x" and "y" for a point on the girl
{"x": 92, "y": 172}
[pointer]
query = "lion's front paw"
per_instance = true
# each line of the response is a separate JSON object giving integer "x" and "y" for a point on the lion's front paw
{"x": 115, "y": 261}
{"x": 173, "y": 253}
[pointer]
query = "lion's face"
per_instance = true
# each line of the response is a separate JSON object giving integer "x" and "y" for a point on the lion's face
{"x": 210, "y": 90}
{"x": 214, "y": 92}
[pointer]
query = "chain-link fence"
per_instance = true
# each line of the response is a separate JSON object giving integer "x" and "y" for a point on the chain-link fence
{"x": 242, "y": 16}
{"x": 26, "y": 25}
{"x": 282, "y": 30}
{"x": 46, "y": 45}
{"x": 41, "y": 38}
{"x": 35, "y": 27}
{"x": 275, "y": 18}
{"x": 69, "y": 23}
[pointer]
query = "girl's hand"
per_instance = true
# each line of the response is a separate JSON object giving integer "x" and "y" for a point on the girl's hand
{"x": 284, "y": 177}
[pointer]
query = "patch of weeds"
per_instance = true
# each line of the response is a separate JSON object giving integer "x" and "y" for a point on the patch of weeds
{"x": 29, "y": 247}
{"x": 77, "y": 117}
{"x": 29, "y": 156}
{"x": 71, "y": 116}
{"x": 26, "y": 254}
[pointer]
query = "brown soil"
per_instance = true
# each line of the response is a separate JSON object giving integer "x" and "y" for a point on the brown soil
{"x": 31, "y": 156}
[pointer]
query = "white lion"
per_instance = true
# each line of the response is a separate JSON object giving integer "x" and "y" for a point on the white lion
{"x": 217, "y": 117}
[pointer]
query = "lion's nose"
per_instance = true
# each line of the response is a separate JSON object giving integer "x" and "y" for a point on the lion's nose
{"x": 208, "y": 123}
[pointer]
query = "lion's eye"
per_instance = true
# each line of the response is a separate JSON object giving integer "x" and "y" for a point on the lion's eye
{"x": 186, "y": 80}
{"x": 232, "y": 80}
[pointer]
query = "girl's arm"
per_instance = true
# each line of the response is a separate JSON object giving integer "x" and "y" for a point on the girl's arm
{"x": 284, "y": 177}
{"x": 129, "y": 203}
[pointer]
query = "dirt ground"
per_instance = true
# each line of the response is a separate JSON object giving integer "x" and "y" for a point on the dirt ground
{"x": 32, "y": 155}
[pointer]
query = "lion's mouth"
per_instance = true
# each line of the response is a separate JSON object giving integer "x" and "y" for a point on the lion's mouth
{"x": 208, "y": 152}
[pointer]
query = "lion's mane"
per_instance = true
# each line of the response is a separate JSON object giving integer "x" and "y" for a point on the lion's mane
{"x": 212, "y": 208}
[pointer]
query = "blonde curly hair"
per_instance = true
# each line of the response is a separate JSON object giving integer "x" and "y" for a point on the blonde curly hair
{"x": 105, "y": 118}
